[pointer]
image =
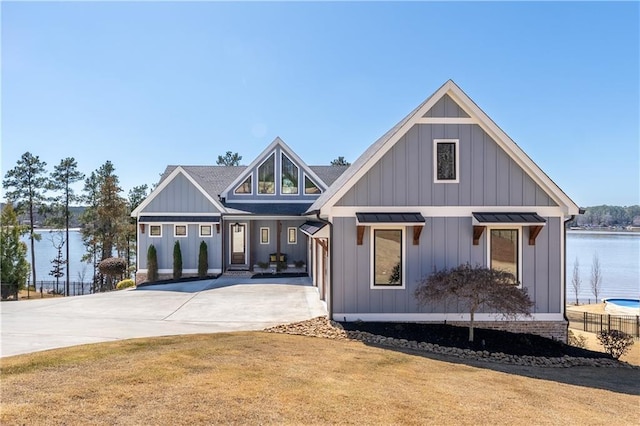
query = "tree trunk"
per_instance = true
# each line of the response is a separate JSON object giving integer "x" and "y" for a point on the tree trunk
{"x": 66, "y": 211}
{"x": 471, "y": 323}
{"x": 33, "y": 248}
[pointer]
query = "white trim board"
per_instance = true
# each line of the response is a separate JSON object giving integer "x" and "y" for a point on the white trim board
{"x": 444, "y": 211}
{"x": 425, "y": 317}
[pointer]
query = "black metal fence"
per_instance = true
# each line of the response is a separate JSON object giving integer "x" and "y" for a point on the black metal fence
{"x": 595, "y": 323}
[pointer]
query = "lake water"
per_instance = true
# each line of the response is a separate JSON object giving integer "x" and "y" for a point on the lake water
{"x": 619, "y": 255}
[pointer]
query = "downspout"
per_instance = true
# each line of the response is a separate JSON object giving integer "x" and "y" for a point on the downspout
{"x": 564, "y": 255}
{"x": 330, "y": 301}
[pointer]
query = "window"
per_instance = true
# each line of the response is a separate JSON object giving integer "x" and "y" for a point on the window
{"x": 180, "y": 230}
{"x": 244, "y": 187}
{"x": 310, "y": 187}
{"x": 155, "y": 230}
{"x": 205, "y": 230}
{"x": 264, "y": 235}
{"x": 266, "y": 176}
{"x": 504, "y": 251}
{"x": 292, "y": 235}
{"x": 446, "y": 162}
{"x": 289, "y": 176}
{"x": 388, "y": 248}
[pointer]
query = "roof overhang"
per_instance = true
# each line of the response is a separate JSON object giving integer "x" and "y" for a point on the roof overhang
{"x": 407, "y": 218}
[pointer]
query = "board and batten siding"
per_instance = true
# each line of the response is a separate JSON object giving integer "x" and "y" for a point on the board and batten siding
{"x": 180, "y": 196}
{"x": 404, "y": 175}
{"x": 189, "y": 246}
{"x": 446, "y": 107}
{"x": 260, "y": 252}
{"x": 444, "y": 243}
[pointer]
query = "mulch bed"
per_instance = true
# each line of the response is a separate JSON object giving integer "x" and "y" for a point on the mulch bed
{"x": 280, "y": 275}
{"x": 486, "y": 340}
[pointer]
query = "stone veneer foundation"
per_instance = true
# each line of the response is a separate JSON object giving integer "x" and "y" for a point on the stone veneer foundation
{"x": 557, "y": 330}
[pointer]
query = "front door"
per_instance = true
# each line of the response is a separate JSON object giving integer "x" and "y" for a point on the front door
{"x": 238, "y": 244}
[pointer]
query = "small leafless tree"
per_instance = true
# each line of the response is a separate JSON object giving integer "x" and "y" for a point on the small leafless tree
{"x": 576, "y": 281}
{"x": 82, "y": 273}
{"x": 476, "y": 286}
{"x": 596, "y": 277}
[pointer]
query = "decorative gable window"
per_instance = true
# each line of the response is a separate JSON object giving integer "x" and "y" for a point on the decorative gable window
{"x": 310, "y": 188}
{"x": 289, "y": 176}
{"x": 446, "y": 164}
{"x": 266, "y": 176}
{"x": 245, "y": 187}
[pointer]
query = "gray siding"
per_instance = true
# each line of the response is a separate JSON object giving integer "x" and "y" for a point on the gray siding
{"x": 446, "y": 107}
{"x": 404, "y": 175}
{"x": 444, "y": 243}
{"x": 260, "y": 252}
{"x": 179, "y": 196}
{"x": 277, "y": 197}
{"x": 190, "y": 247}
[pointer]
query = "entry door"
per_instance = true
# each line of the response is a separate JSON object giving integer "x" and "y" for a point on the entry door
{"x": 238, "y": 244}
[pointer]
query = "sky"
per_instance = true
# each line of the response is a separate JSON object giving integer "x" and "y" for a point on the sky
{"x": 149, "y": 84}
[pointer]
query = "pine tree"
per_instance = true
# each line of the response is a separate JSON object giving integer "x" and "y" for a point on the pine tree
{"x": 152, "y": 264}
{"x": 177, "y": 261}
{"x": 29, "y": 182}
{"x": 203, "y": 260}
{"x": 64, "y": 175}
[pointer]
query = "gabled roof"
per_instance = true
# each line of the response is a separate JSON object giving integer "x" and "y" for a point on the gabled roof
{"x": 168, "y": 178}
{"x": 380, "y": 147}
{"x": 263, "y": 156}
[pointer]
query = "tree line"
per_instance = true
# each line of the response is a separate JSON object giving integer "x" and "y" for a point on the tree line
{"x": 106, "y": 226}
{"x": 609, "y": 216}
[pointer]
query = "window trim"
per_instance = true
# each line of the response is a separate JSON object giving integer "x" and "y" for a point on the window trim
{"x": 201, "y": 235}
{"x": 456, "y": 143}
{"x": 282, "y": 155}
{"x": 403, "y": 257}
{"x": 275, "y": 176}
{"x": 155, "y": 236}
{"x": 519, "y": 247}
{"x": 295, "y": 235}
{"x": 262, "y": 229}
{"x": 175, "y": 229}
{"x": 244, "y": 194}
{"x": 306, "y": 177}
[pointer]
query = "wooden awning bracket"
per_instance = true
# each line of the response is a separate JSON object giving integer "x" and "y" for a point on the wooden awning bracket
{"x": 477, "y": 233}
{"x": 417, "y": 230}
{"x": 534, "y": 230}
{"x": 360, "y": 234}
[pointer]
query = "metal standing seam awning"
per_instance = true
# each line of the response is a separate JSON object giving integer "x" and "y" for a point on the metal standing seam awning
{"x": 532, "y": 220}
{"x": 406, "y": 219}
{"x": 311, "y": 228}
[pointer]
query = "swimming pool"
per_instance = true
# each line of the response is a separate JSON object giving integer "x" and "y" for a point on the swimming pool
{"x": 622, "y": 306}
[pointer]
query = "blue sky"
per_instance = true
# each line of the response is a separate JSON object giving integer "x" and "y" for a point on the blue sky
{"x": 154, "y": 83}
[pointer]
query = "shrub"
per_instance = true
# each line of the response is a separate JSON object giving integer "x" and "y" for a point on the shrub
{"x": 203, "y": 260}
{"x": 263, "y": 265}
{"x": 616, "y": 343}
{"x": 152, "y": 264}
{"x": 579, "y": 341}
{"x": 299, "y": 263}
{"x": 177, "y": 261}
{"x": 112, "y": 267}
{"x": 125, "y": 284}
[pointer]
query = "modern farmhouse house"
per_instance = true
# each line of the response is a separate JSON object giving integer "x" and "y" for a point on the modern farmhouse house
{"x": 444, "y": 187}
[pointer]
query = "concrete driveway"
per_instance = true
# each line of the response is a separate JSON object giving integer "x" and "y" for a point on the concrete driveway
{"x": 226, "y": 304}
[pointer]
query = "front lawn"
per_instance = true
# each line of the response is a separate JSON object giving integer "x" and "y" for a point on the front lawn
{"x": 263, "y": 378}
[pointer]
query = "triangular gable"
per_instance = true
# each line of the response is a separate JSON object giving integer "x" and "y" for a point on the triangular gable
{"x": 277, "y": 142}
{"x": 379, "y": 148}
{"x": 446, "y": 107}
{"x": 178, "y": 171}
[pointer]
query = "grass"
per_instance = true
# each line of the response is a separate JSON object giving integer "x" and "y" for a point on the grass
{"x": 261, "y": 378}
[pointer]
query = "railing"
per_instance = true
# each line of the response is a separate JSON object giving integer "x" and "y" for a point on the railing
{"x": 595, "y": 323}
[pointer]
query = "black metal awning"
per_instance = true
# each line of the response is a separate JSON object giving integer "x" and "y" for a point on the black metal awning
{"x": 509, "y": 219}
{"x": 310, "y": 228}
{"x": 381, "y": 218}
{"x": 179, "y": 219}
